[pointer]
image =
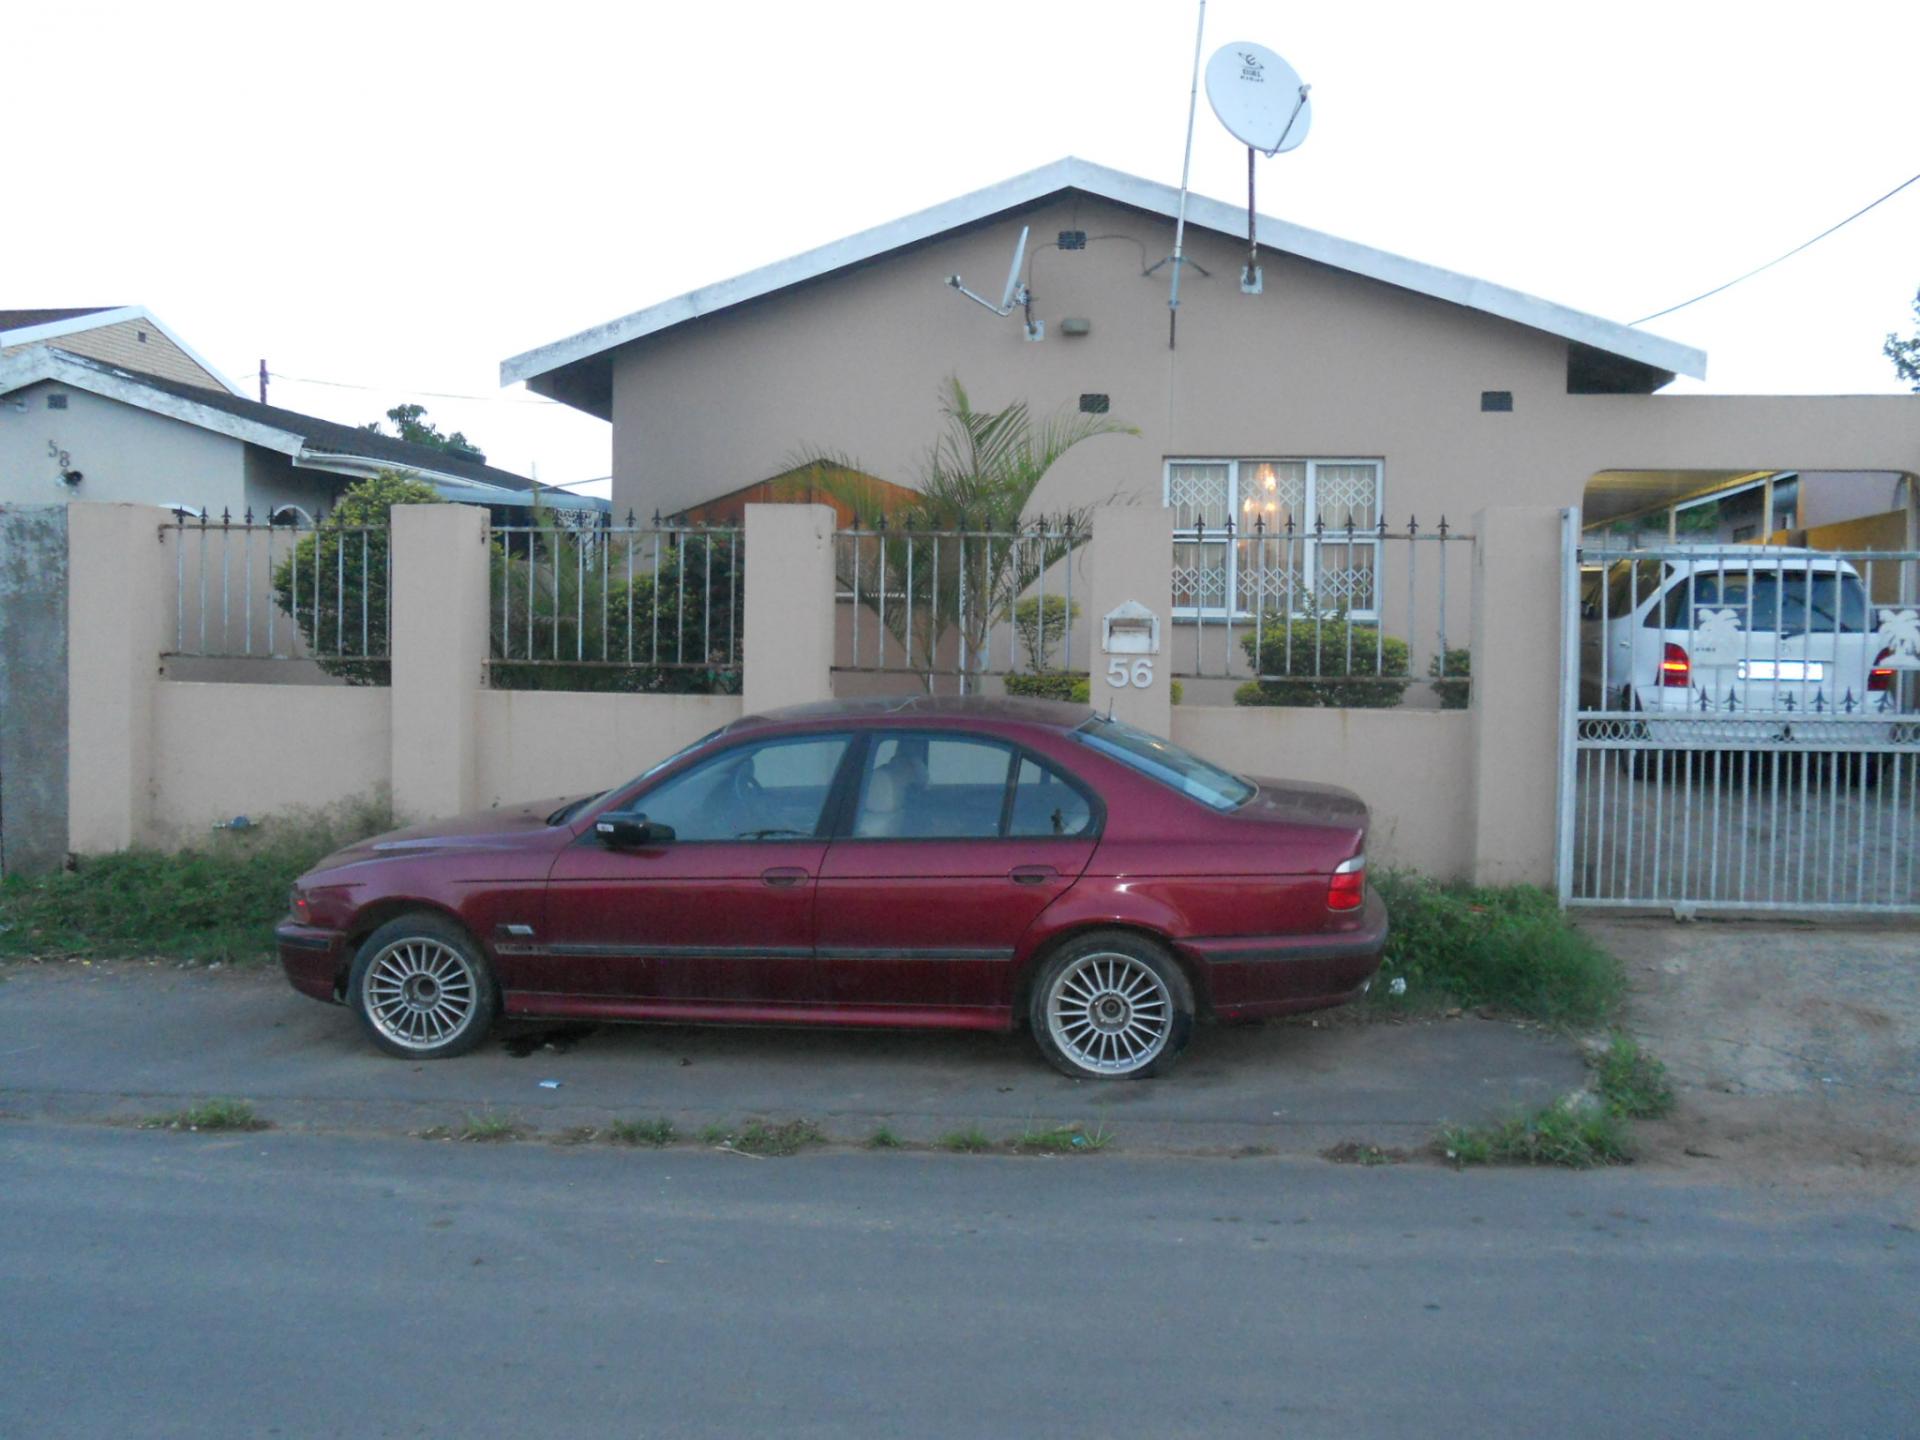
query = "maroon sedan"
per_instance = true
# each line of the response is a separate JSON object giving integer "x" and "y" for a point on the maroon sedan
{"x": 929, "y": 863}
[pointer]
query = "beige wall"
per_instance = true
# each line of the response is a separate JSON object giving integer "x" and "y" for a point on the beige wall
{"x": 134, "y": 345}
{"x": 127, "y": 455}
{"x": 1410, "y": 766}
{"x": 1324, "y": 363}
{"x": 536, "y": 743}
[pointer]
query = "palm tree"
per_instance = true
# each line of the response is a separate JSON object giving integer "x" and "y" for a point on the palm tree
{"x": 956, "y": 558}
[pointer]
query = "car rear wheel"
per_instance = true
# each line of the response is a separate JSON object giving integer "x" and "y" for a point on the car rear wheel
{"x": 422, "y": 988}
{"x": 1111, "y": 1006}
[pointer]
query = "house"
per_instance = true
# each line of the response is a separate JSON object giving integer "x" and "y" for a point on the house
{"x": 82, "y": 427}
{"x": 130, "y": 336}
{"x": 1362, "y": 385}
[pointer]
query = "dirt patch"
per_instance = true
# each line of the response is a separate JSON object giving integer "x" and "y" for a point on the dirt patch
{"x": 1795, "y": 1047}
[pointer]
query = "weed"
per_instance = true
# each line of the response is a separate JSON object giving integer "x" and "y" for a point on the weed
{"x": 966, "y": 1142}
{"x": 1510, "y": 948}
{"x": 490, "y": 1127}
{"x": 219, "y": 901}
{"x": 1633, "y": 1083}
{"x": 716, "y": 1134}
{"x": 883, "y": 1139}
{"x": 1355, "y": 1152}
{"x": 1577, "y": 1136}
{"x": 209, "y": 1115}
{"x": 643, "y": 1132}
{"x": 1061, "y": 1140}
{"x": 776, "y": 1137}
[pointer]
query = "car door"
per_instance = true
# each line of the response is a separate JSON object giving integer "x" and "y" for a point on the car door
{"x": 721, "y": 915}
{"x": 953, "y": 845}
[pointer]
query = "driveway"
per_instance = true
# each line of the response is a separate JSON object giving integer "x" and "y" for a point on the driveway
{"x": 121, "y": 1041}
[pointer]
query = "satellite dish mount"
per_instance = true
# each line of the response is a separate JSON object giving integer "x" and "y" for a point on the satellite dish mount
{"x": 1263, "y": 104}
{"x": 1015, "y": 293}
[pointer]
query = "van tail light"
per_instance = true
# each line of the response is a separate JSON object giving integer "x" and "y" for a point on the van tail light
{"x": 1347, "y": 887}
{"x": 1880, "y": 678}
{"x": 1676, "y": 670}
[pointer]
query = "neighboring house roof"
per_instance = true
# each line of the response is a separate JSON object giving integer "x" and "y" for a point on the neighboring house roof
{"x": 857, "y": 497}
{"x": 28, "y": 327}
{"x": 584, "y": 353}
{"x": 310, "y": 442}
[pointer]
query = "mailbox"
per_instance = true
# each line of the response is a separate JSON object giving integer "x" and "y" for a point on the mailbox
{"x": 1130, "y": 629}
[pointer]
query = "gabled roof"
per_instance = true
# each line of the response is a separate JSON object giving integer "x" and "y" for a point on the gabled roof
{"x": 27, "y": 327}
{"x": 1606, "y": 336}
{"x": 311, "y": 443}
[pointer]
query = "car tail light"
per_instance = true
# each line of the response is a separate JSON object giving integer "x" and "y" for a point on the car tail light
{"x": 301, "y": 908}
{"x": 1676, "y": 670}
{"x": 1880, "y": 678}
{"x": 1347, "y": 887}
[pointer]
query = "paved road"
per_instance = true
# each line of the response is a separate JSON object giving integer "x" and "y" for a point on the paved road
{"x": 168, "y": 1285}
{"x": 83, "y": 1042}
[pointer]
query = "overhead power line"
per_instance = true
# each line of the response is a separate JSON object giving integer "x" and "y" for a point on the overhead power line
{"x": 412, "y": 390}
{"x": 1778, "y": 258}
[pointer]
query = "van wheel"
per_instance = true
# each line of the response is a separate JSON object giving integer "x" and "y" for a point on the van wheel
{"x": 1111, "y": 1005}
{"x": 422, "y": 988}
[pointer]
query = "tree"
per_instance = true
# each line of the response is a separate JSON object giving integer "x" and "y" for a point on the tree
{"x": 334, "y": 580}
{"x": 976, "y": 480}
{"x": 1905, "y": 354}
{"x": 410, "y": 424}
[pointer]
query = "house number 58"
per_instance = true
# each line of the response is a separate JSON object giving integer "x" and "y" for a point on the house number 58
{"x": 1120, "y": 674}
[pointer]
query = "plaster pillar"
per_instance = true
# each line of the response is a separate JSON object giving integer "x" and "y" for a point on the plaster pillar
{"x": 1130, "y": 558}
{"x": 787, "y": 636}
{"x": 438, "y": 644}
{"x": 1515, "y": 697}
{"x": 120, "y": 619}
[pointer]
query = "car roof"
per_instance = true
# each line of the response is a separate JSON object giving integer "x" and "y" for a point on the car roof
{"x": 881, "y": 710}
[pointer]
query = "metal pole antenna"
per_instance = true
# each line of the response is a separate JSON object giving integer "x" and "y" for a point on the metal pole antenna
{"x": 1186, "y": 168}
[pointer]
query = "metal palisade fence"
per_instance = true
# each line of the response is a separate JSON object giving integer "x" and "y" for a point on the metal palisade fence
{"x": 638, "y": 608}
{"x": 1323, "y": 614}
{"x": 962, "y": 604}
{"x": 1741, "y": 728}
{"x": 304, "y": 589}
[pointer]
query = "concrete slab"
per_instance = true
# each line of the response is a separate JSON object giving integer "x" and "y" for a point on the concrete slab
{"x": 120, "y": 1041}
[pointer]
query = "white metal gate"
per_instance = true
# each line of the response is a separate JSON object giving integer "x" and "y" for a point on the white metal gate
{"x": 1740, "y": 728}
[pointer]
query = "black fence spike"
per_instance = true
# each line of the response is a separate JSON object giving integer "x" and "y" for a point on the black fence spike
{"x": 226, "y": 517}
{"x": 630, "y": 518}
{"x": 1229, "y": 527}
{"x": 1849, "y": 703}
{"x": 1443, "y": 527}
{"x": 1382, "y": 527}
{"x": 1413, "y": 526}
{"x": 1705, "y": 703}
{"x": 249, "y": 516}
{"x": 1787, "y": 704}
{"x": 656, "y": 517}
{"x": 1260, "y": 525}
{"x": 1819, "y": 701}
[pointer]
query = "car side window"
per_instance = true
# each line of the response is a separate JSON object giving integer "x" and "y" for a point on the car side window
{"x": 1045, "y": 804}
{"x": 932, "y": 787}
{"x": 772, "y": 791}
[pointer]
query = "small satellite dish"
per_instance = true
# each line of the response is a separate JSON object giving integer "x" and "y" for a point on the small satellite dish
{"x": 1258, "y": 97}
{"x": 1014, "y": 294}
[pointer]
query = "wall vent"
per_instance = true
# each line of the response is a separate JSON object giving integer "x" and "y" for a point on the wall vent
{"x": 56, "y": 402}
{"x": 1094, "y": 404}
{"x": 1498, "y": 400}
{"x": 1073, "y": 240}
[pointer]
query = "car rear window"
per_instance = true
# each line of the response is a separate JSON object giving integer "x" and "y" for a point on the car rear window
{"x": 1166, "y": 762}
{"x": 1820, "y": 601}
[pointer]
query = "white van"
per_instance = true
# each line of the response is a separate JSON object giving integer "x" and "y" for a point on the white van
{"x": 1732, "y": 631}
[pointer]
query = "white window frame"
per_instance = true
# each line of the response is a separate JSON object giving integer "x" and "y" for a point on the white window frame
{"x": 1304, "y": 539}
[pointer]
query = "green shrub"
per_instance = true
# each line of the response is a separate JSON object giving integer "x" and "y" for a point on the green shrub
{"x": 1043, "y": 621}
{"x": 1324, "y": 662}
{"x": 1632, "y": 1082}
{"x": 1577, "y": 1136}
{"x": 1452, "y": 689}
{"x": 1510, "y": 948}
{"x": 1065, "y": 685}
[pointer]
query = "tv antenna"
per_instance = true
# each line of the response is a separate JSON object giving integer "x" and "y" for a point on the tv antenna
{"x": 1263, "y": 104}
{"x": 1015, "y": 294}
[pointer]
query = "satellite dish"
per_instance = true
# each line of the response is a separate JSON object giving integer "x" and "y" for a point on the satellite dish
{"x": 1258, "y": 97}
{"x": 1015, "y": 293}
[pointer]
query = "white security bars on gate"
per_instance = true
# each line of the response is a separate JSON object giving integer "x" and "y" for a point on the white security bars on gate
{"x": 1322, "y": 613}
{"x": 957, "y": 603}
{"x": 1746, "y": 733}
{"x": 299, "y": 590}
{"x": 630, "y": 608}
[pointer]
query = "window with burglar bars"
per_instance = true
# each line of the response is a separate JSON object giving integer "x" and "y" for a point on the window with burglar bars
{"x": 1317, "y": 521}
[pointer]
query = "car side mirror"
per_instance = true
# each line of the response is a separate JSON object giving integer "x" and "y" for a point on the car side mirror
{"x": 630, "y": 832}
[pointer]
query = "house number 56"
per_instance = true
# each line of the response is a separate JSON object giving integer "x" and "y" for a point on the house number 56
{"x": 1120, "y": 674}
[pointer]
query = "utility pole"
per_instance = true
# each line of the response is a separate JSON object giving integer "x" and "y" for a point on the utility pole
{"x": 263, "y": 380}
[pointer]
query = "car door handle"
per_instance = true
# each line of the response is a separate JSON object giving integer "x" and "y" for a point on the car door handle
{"x": 1032, "y": 874}
{"x": 783, "y": 876}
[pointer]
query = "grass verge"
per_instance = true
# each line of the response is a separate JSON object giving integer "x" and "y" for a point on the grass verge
{"x": 1508, "y": 948}
{"x": 883, "y": 1139}
{"x": 1633, "y": 1083}
{"x": 218, "y": 901}
{"x": 766, "y": 1137}
{"x": 1061, "y": 1140}
{"x": 643, "y": 1132}
{"x": 489, "y": 1127}
{"x": 973, "y": 1141}
{"x": 216, "y": 1114}
{"x": 1583, "y": 1130}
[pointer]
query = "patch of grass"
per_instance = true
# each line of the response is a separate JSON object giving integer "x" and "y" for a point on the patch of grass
{"x": 965, "y": 1142}
{"x": 883, "y": 1139}
{"x": 575, "y": 1135}
{"x": 717, "y": 1133}
{"x": 217, "y": 901}
{"x": 775, "y": 1137}
{"x": 489, "y": 1127}
{"x": 1061, "y": 1140}
{"x": 1356, "y": 1152}
{"x": 1633, "y": 1083}
{"x": 1508, "y": 948}
{"x": 657, "y": 1132}
{"x": 1580, "y": 1137}
{"x": 218, "y": 1114}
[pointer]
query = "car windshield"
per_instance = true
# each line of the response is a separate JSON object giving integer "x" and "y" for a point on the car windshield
{"x": 1166, "y": 762}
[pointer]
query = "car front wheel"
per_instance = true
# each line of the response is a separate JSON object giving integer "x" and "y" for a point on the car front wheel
{"x": 1111, "y": 1006}
{"x": 422, "y": 988}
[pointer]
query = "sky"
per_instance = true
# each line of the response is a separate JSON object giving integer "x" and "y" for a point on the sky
{"x": 393, "y": 198}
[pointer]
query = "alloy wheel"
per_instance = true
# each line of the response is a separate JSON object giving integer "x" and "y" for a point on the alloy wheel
{"x": 420, "y": 993}
{"x": 1110, "y": 1014}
